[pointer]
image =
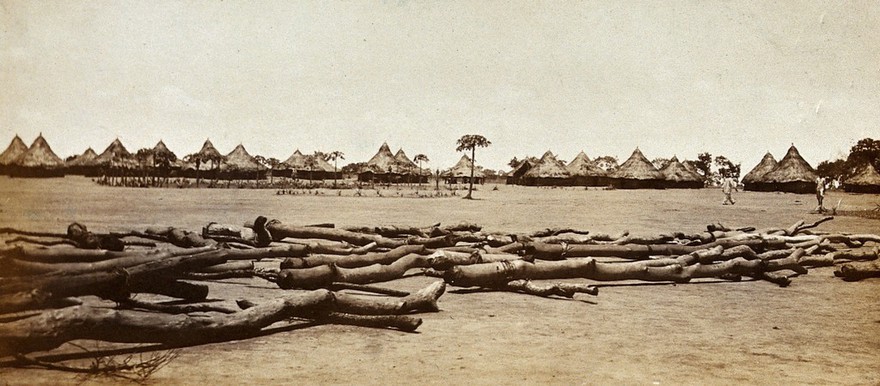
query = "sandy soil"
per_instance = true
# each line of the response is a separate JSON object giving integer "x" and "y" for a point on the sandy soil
{"x": 820, "y": 330}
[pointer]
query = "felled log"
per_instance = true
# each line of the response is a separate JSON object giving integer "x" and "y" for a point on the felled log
{"x": 119, "y": 282}
{"x": 566, "y": 290}
{"x": 353, "y": 261}
{"x": 280, "y": 231}
{"x": 544, "y": 251}
{"x": 323, "y": 276}
{"x": 423, "y": 300}
{"x": 829, "y": 259}
{"x": 858, "y": 270}
{"x": 680, "y": 269}
{"x": 16, "y": 267}
{"x": 51, "y": 329}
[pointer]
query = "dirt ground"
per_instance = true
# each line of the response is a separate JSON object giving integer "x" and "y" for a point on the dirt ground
{"x": 820, "y": 330}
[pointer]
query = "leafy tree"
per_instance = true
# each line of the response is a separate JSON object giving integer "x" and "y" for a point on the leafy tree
{"x": 419, "y": 158}
{"x": 726, "y": 168}
{"x": 471, "y": 142}
{"x": 354, "y": 168}
{"x": 333, "y": 156}
{"x": 607, "y": 162}
{"x": 660, "y": 162}
{"x": 866, "y": 150}
{"x": 703, "y": 164}
{"x": 836, "y": 169}
{"x": 513, "y": 162}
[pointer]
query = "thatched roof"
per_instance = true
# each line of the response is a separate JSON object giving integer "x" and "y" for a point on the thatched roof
{"x": 16, "y": 148}
{"x": 300, "y": 161}
{"x": 463, "y": 169}
{"x": 761, "y": 169}
{"x": 160, "y": 148}
{"x": 548, "y": 167}
{"x": 864, "y": 175}
{"x": 637, "y": 167}
{"x": 296, "y": 160}
{"x": 208, "y": 151}
{"x": 677, "y": 172}
{"x": 239, "y": 159}
{"x": 87, "y": 158}
{"x": 385, "y": 162}
{"x": 582, "y": 166}
{"x": 690, "y": 167}
{"x": 39, "y": 155}
{"x": 404, "y": 161}
{"x": 114, "y": 153}
{"x": 792, "y": 168}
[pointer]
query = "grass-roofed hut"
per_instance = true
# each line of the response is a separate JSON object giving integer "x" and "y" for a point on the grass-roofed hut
{"x": 866, "y": 179}
{"x": 38, "y": 161}
{"x": 677, "y": 176}
{"x": 307, "y": 167}
{"x": 383, "y": 167}
{"x": 15, "y": 149}
{"x": 410, "y": 169}
{"x": 240, "y": 165}
{"x": 585, "y": 172}
{"x": 637, "y": 173}
{"x": 80, "y": 164}
{"x": 523, "y": 167}
{"x": 460, "y": 173}
{"x": 792, "y": 174}
{"x": 115, "y": 160}
{"x": 549, "y": 171}
{"x": 207, "y": 159}
{"x": 753, "y": 180}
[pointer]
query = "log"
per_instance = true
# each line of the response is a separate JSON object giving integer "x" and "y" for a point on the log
{"x": 423, "y": 300}
{"x": 323, "y": 276}
{"x": 639, "y": 251}
{"x": 51, "y": 329}
{"x": 18, "y": 267}
{"x": 566, "y": 290}
{"x": 280, "y": 231}
{"x": 681, "y": 269}
{"x": 858, "y": 270}
{"x": 353, "y": 261}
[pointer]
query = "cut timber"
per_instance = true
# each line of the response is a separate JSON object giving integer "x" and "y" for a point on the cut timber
{"x": 51, "y": 329}
{"x": 323, "y": 276}
{"x": 353, "y": 261}
{"x": 280, "y": 231}
{"x": 858, "y": 271}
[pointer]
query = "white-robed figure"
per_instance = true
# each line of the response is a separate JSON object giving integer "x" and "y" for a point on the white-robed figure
{"x": 821, "y": 185}
{"x": 728, "y": 185}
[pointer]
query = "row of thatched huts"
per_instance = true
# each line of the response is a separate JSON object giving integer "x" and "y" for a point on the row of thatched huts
{"x": 635, "y": 173}
{"x": 794, "y": 174}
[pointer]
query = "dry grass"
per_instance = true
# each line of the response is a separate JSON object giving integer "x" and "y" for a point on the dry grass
{"x": 820, "y": 330}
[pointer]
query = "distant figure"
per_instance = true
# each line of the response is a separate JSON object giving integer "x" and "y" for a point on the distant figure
{"x": 821, "y": 185}
{"x": 727, "y": 187}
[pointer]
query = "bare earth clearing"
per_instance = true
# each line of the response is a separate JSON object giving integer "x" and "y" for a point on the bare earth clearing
{"x": 820, "y": 330}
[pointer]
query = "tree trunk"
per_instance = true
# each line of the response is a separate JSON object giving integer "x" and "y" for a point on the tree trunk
{"x": 473, "y": 165}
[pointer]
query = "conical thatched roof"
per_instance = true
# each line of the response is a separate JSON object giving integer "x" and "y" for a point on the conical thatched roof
{"x": 115, "y": 152}
{"x": 16, "y": 148}
{"x": 160, "y": 148}
{"x": 548, "y": 167}
{"x": 296, "y": 161}
{"x": 637, "y": 167}
{"x": 322, "y": 164}
{"x": 761, "y": 169}
{"x": 39, "y": 155}
{"x": 792, "y": 168}
{"x": 463, "y": 169}
{"x": 239, "y": 159}
{"x": 87, "y": 158}
{"x": 865, "y": 175}
{"x": 404, "y": 161}
{"x": 384, "y": 161}
{"x": 208, "y": 151}
{"x": 582, "y": 166}
{"x": 677, "y": 172}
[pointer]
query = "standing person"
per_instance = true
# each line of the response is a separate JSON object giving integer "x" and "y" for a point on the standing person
{"x": 727, "y": 186}
{"x": 821, "y": 185}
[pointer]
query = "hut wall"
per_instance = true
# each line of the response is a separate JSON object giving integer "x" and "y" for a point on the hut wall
{"x": 870, "y": 189}
{"x": 28, "y": 172}
{"x": 683, "y": 185}
{"x": 627, "y": 183}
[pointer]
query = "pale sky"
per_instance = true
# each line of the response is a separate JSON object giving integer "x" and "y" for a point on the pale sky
{"x": 672, "y": 77}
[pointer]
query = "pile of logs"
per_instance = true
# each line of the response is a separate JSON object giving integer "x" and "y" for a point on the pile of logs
{"x": 55, "y": 288}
